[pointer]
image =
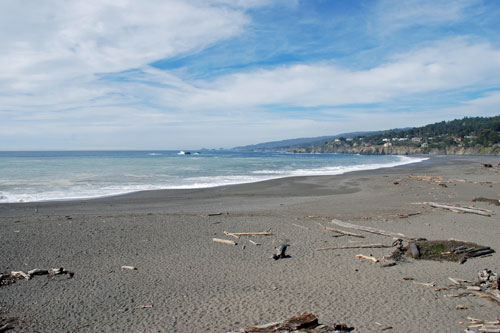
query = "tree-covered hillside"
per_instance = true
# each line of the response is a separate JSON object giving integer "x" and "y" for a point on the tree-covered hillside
{"x": 484, "y": 131}
{"x": 478, "y": 135}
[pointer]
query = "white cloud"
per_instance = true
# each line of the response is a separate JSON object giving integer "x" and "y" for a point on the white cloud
{"x": 50, "y": 42}
{"x": 446, "y": 65}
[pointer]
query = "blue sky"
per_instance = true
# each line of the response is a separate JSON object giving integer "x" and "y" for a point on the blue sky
{"x": 160, "y": 74}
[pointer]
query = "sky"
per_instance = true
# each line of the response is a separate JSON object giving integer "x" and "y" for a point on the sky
{"x": 163, "y": 74}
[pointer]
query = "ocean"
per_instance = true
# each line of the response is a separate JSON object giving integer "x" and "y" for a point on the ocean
{"x": 68, "y": 175}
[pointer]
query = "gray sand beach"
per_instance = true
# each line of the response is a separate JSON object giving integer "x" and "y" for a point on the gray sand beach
{"x": 186, "y": 282}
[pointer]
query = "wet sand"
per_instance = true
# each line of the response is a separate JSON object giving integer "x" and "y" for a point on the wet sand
{"x": 185, "y": 282}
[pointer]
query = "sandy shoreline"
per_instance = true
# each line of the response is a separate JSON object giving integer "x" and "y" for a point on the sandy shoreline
{"x": 196, "y": 285}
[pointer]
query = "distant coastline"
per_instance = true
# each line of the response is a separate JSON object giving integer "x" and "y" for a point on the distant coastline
{"x": 400, "y": 150}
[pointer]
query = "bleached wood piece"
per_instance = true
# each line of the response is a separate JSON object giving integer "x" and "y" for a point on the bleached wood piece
{"x": 364, "y": 246}
{"x": 432, "y": 284}
{"x": 132, "y": 268}
{"x": 224, "y": 241}
{"x": 361, "y": 256}
{"x": 254, "y": 243}
{"x": 300, "y": 226}
{"x": 252, "y": 233}
{"x": 20, "y": 274}
{"x": 456, "y": 208}
{"x": 342, "y": 232}
{"x": 427, "y": 178}
{"x": 370, "y": 229}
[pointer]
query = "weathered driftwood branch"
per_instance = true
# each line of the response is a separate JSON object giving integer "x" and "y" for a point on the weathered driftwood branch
{"x": 457, "y": 208}
{"x": 299, "y": 323}
{"x": 252, "y": 233}
{"x": 254, "y": 243}
{"x": 224, "y": 241}
{"x": 371, "y": 230}
{"x": 494, "y": 297}
{"x": 300, "y": 226}
{"x": 13, "y": 276}
{"x": 363, "y": 246}
{"x": 495, "y": 202}
{"x": 362, "y": 256}
{"x": 404, "y": 216}
{"x": 342, "y": 232}
{"x": 20, "y": 275}
{"x": 427, "y": 178}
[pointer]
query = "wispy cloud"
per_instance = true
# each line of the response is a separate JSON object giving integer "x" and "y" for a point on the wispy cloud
{"x": 451, "y": 64}
{"x": 394, "y": 15}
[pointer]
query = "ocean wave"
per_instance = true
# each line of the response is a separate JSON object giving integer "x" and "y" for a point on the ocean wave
{"x": 67, "y": 191}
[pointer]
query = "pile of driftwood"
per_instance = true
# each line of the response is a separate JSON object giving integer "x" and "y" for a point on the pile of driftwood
{"x": 305, "y": 322}
{"x": 12, "y": 277}
{"x": 487, "y": 286}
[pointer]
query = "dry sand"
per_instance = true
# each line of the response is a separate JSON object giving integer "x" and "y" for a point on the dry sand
{"x": 185, "y": 282}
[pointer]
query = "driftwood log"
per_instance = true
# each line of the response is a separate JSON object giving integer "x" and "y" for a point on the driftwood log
{"x": 364, "y": 246}
{"x": 372, "y": 230}
{"x": 305, "y": 322}
{"x": 456, "y": 208}
{"x": 13, "y": 276}
{"x": 224, "y": 241}
{"x": 342, "y": 232}
{"x": 495, "y": 202}
{"x": 252, "y": 233}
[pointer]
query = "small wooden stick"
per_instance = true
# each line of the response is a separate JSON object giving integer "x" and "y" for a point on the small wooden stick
{"x": 361, "y": 256}
{"x": 344, "y": 232}
{"x": 432, "y": 284}
{"x": 225, "y": 241}
{"x": 252, "y": 233}
{"x": 366, "y": 246}
{"x": 254, "y": 243}
{"x": 231, "y": 234}
{"x": 300, "y": 226}
{"x": 132, "y": 268}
